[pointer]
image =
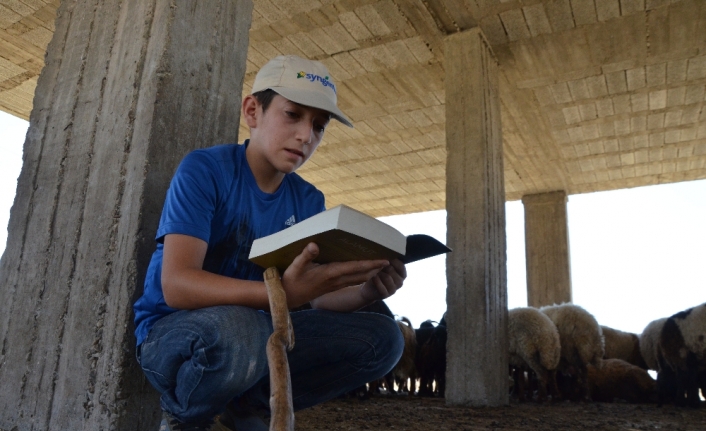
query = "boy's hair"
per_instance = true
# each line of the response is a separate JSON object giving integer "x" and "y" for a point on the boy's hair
{"x": 264, "y": 98}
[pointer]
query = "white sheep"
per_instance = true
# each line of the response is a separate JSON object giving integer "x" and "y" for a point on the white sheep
{"x": 682, "y": 343}
{"x": 652, "y": 354}
{"x": 622, "y": 345}
{"x": 581, "y": 341}
{"x": 649, "y": 343}
{"x": 533, "y": 344}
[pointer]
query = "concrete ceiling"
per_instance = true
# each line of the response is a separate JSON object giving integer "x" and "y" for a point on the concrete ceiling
{"x": 595, "y": 94}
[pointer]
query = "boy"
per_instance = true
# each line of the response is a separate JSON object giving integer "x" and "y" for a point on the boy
{"x": 201, "y": 337}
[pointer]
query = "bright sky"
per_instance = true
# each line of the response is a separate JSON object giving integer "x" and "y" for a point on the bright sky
{"x": 12, "y": 137}
{"x": 636, "y": 254}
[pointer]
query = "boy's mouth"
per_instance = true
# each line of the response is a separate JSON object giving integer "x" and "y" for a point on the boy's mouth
{"x": 295, "y": 152}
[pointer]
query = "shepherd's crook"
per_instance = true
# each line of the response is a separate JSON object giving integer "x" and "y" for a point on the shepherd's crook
{"x": 281, "y": 408}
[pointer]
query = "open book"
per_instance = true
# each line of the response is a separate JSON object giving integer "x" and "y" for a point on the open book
{"x": 343, "y": 234}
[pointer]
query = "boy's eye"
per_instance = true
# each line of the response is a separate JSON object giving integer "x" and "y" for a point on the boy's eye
{"x": 319, "y": 128}
{"x": 291, "y": 114}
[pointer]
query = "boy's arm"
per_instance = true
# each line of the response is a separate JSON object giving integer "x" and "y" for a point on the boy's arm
{"x": 352, "y": 298}
{"x": 186, "y": 285}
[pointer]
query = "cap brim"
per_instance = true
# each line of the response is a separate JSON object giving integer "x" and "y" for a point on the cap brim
{"x": 313, "y": 99}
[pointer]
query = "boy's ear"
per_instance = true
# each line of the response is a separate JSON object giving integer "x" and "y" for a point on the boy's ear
{"x": 251, "y": 110}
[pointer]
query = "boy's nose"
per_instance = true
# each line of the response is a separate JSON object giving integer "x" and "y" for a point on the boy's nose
{"x": 306, "y": 132}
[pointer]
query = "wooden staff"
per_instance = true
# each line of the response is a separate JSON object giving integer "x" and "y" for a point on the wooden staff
{"x": 280, "y": 342}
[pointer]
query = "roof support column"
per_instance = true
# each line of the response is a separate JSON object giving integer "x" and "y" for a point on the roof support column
{"x": 477, "y": 364}
{"x": 547, "y": 249}
{"x": 128, "y": 88}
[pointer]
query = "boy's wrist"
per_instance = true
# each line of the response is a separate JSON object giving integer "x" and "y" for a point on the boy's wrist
{"x": 367, "y": 293}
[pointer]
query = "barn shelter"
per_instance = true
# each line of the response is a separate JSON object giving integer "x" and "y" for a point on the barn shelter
{"x": 456, "y": 104}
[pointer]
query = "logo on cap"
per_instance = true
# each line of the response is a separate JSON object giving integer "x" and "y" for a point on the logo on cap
{"x": 313, "y": 78}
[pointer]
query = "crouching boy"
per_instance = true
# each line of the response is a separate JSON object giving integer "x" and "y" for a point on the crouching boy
{"x": 202, "y": 325}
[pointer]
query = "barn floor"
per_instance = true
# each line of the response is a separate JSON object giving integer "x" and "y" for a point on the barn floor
{"x": 431, "y": 414}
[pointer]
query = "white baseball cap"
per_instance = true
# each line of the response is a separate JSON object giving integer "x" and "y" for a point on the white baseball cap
{"x": 302, "y": 81}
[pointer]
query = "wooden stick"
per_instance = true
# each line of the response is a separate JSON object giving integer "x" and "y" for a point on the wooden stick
{"x": 281, "y": 341}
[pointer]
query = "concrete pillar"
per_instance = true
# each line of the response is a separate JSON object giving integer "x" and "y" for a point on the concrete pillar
{"x": 547, "y": 249}
{"x": 128, "y": 88}
{"x": 477, "y": 364}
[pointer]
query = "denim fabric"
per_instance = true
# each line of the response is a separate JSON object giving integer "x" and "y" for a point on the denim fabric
{"x": 199, "y": 360}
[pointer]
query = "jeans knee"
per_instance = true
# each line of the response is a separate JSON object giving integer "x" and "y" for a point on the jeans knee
{"x": 388, "y": 344}
{"x": 394, "y": 341}
{"x": 221, "y": 347}
{"x": 236, "y": 354}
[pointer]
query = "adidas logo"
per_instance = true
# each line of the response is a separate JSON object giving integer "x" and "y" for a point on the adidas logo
{"x": 291, "y": 221}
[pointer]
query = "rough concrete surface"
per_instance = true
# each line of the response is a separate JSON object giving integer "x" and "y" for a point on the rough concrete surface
{"x": 547, "y": 249}
{"x": 129, "y": 87}
{"x": 475, "y": 203}
{"x": 595, "y": 94}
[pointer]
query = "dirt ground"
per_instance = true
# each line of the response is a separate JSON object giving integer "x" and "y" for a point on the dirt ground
{"x": 403, "y": 413}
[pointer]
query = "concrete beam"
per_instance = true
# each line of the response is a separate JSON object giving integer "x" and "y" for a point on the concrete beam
{"x": 547, "y": 249}
{"x": 129, "y": 87}
{"x": 477, "y": 363}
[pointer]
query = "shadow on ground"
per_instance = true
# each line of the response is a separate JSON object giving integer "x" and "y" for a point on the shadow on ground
{"x": 431, "y": 414}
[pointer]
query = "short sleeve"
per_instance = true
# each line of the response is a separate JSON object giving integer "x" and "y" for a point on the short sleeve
{"x": 192, "y": 198}
{"x": 321, "y": 201}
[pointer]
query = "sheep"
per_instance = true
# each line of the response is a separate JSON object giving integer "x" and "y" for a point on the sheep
{"x": 405, "y": 368}
{"x": 431, "y": 358}
{"x": 533, "y": 342}
{"x": 581, "y": 342}
{"x": 437, "y": 347}
{"x": 618, "y": 379}
{"x": 622, "y": 345}
{"x": 422, "y": 360}
{"x": 439, "y": 339}
{"x": 649, "y": 343}
{"x": 649, "y": 347}
{"x": 682, "y": 343}
{"x": 667, "y": 384}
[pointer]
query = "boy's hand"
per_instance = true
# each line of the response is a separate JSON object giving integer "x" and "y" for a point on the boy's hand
{"x": 385, "y": 283}
{"x": 305, "y": 280}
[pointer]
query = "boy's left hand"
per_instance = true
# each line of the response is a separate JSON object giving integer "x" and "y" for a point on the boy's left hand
{"x": 385, "y": 283}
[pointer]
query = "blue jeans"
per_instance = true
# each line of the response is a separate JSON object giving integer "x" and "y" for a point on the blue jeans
{"x": 199, "y": 360}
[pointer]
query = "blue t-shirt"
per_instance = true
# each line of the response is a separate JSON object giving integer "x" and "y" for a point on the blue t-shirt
{"x": 213, "y": 196}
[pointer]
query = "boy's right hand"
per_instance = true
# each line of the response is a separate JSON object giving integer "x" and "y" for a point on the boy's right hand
{"x": 305, "y": 280}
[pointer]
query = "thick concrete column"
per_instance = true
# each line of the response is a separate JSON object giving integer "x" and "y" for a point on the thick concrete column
{"x": 128, "y": 88}
{"x": 477, "y": 363}
{"x": 547, "y": 249}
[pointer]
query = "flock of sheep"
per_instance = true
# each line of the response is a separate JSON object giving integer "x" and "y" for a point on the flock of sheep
{"x": 561, "y": 351}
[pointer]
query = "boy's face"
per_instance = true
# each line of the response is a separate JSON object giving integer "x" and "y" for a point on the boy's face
{"x": 288, "y": 133}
